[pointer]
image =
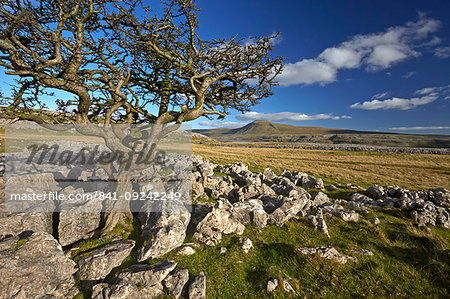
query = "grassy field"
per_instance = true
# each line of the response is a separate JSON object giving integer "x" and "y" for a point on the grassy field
{"x": 408, "y": 262}
{"x": 414, "y": 171}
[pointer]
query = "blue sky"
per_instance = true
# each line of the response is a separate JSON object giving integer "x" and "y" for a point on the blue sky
{"x": 364, "y": 65}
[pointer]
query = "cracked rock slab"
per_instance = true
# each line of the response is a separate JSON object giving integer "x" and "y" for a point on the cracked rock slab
{"x": 176, "y": 282}
{"x": 98, "y": 263}
{"x": 33, "y": 265}
{"x": 137, "y": 281}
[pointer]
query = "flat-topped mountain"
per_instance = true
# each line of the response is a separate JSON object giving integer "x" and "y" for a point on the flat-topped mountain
{"x": 265, "y": 127}
{"x": 266, "y": 131}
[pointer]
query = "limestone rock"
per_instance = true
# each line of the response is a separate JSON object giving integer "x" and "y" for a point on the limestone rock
{"x": 363, "y": 251}
{"x": 268, "y": 174}
{"x": 339, "y": 211}
{"x": 33, "y": 265}
{"x": 206, "y": 169}
{"x": 197, "y": 289}
{"x": 430, "y": 214}
{"x": 219, "y": 221}
{"x": 186, "y": 250}
{"x": 164, "y": 231}
{"x": 325, "y": 252}
{"x": 176, "y": 282}
{"x": 440, "y": 197}
{"x": 318, "y": 222}
{"x": 137, "y": 281}
{"x": 250, "y": 212}
{"x": 376, "y": 191}
{"x": 287, "y": 286}
{"x": 74, "y": 225}
{"x": 272, "y": 284}
{"x": 98, "y": 263}
{"x": 15, "y": 223}
{"x": 288, "y": 210}
{"x": 319, "y": 199}
{"x": 312, "y": 182}
{"x": 245, "y": 244}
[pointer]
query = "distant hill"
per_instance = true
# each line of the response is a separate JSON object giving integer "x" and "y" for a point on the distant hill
{"x": 266, "y": 131}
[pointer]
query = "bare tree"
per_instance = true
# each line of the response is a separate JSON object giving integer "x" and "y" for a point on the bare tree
{"x": 120, "y": 61}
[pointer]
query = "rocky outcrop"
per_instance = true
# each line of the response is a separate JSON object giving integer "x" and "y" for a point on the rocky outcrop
{"x": 339, "y": 211}
{"x": 33, "y": 265}
{"x": 15, "y": 223}
{"x": 430, "y": 214}
{"x": 97, "y": 264}
{"x": 219, "y": 221}
{"x": 250, "y": 212}
{"x": 197, "y": 288}
{"x": 137, "y": 281}
{"x": 163, "y": 231}
{"x": 76, "y": 222}
{"x": 176, "y": 282}
{"x": 318, "y": 222}
{"x": 289, "y": 209}
{"x": 425, "y": 207}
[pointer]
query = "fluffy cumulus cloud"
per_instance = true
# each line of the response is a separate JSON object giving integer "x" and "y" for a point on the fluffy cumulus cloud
{"x": 307, "y": 71}
{"x": 373, "y": 52}
{"x": 422, "y": 97}
{"x": 222, "y": 124}
{"x": 419, "y": 128}
{"x": 287, "y": 116}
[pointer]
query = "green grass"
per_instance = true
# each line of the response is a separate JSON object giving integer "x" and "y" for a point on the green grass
{"x": 84, "y": 247}
{"x": 407, "y": 261}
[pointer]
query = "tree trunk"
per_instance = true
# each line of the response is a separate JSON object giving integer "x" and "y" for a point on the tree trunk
{"x": 118, "y": 212}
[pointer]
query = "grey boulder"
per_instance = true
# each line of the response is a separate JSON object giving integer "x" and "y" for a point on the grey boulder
{"x": 217, "y": 222}
{"x": 98, "y": 263}
{"x": 176, "y": 282}
{"x": 197, "y": 288}
{"x": 137, "y": 281}
{"x": 34, "y": 266}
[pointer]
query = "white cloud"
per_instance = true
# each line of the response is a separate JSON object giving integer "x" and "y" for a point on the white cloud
{"x": 222, "y": 124}
{"x": 395, "y": 103}
{"x": 341, "y": 57}
{"x": 372, "y": 51}
{"x": 287, "y": 116}
{"x": 433, "y": 42}
{"x": 419, "y": 128}
{"x": 442, "y": 52}
{"x": 409, "y": 75}
{"x": 439, "y": 89}
{"x": 306, "y": 71}
{"x": 426, "y": 90}
{"x": 423, "y": 96}
{"x": 380, "y": 95}
{"x": 383, "y": 56}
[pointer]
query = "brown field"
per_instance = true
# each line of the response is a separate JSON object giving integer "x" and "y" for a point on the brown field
{"x": 414, "y": 171}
